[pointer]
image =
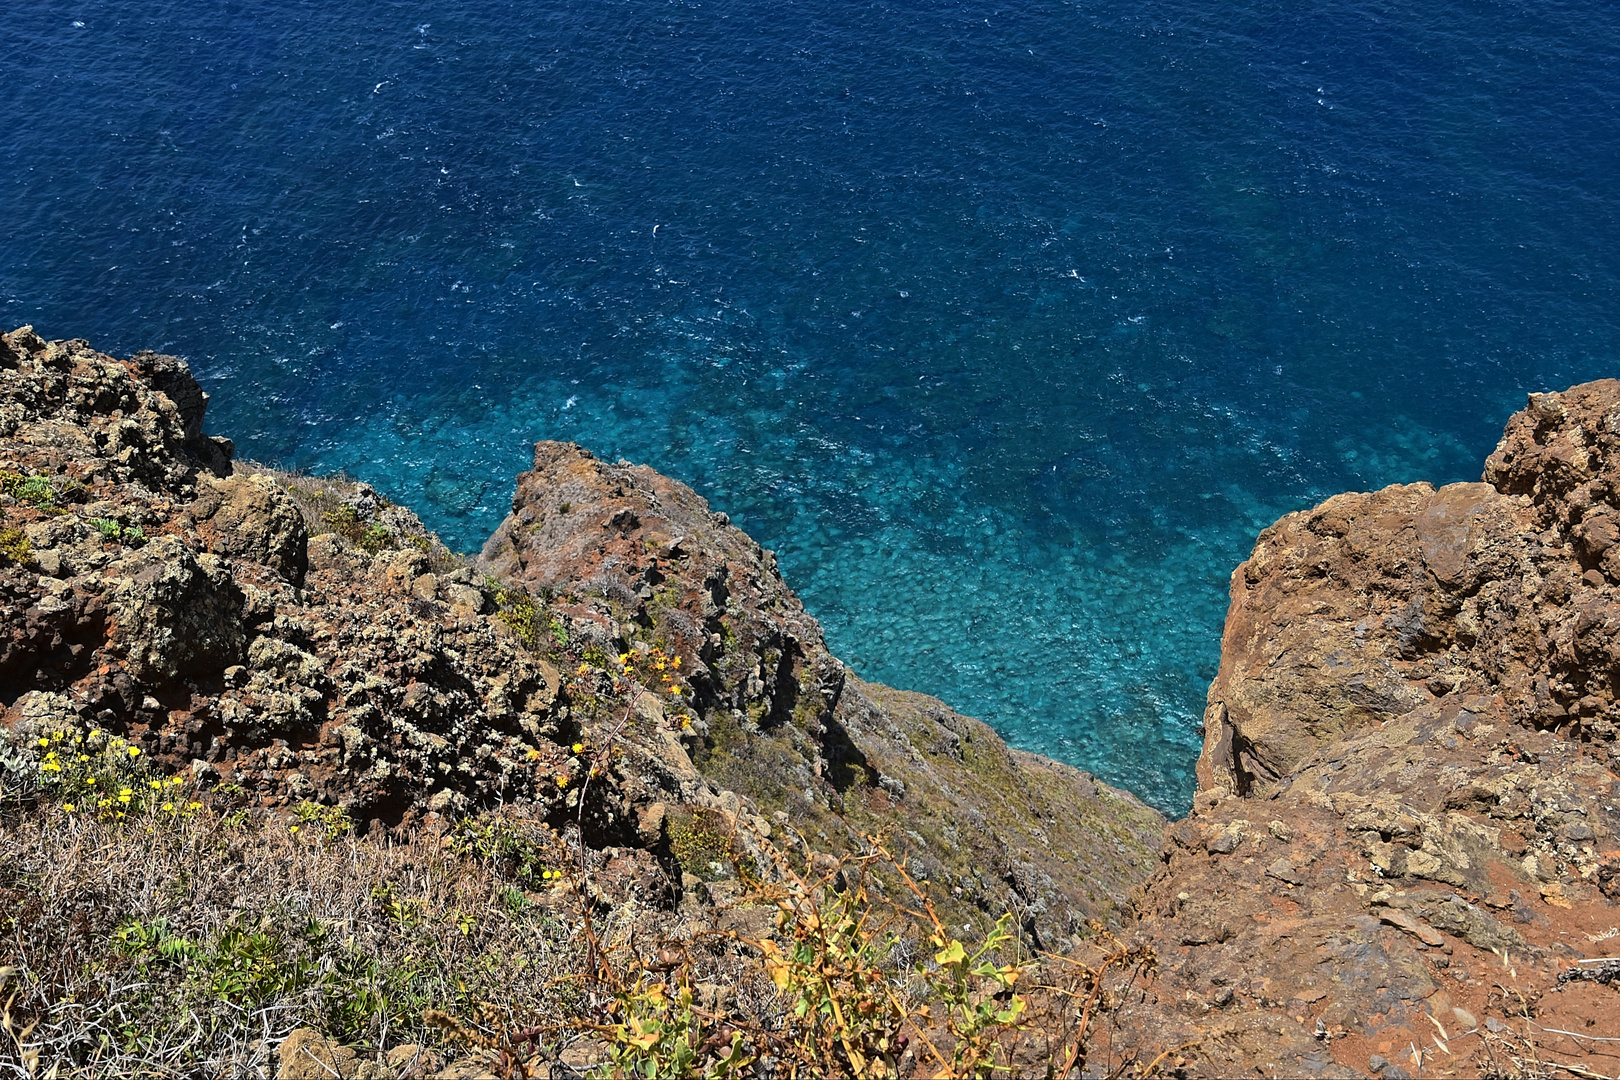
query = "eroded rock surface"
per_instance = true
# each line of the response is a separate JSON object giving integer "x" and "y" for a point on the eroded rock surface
{"x": 1408, "y": 803}
{"x": 782, "y": 729}
{"x": 292, "y": 640}
{"x": 152, "y": 591}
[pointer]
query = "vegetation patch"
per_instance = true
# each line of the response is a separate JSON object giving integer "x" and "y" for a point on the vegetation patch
{"x": 33, "y": 491}
{"x": 516, "y": 608}
{"x": 132, "y": 535}
{"x": 701, "y": 841}
{"x": 15, "y": 548}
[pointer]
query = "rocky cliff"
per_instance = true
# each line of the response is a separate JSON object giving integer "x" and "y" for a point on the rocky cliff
{"x": 1401, "y": 855}
{"x": 1407, "y": 807}
{"x": 620, "y": 659}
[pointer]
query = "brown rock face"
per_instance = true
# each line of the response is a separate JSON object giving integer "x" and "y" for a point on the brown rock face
{"x": 782, "y": 732}
{"x": 289, "y": 639}
{"x": 149, "y": 590}
{"x": 1408, "y": 802}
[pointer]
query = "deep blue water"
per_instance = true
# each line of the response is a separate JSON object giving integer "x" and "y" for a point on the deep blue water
{"x": 1006, "y": 325}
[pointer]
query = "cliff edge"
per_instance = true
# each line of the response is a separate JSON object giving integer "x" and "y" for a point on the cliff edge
{"x": 621, "y": 660}
{"x": 1401, "y": 858}
{"x": 1402, "y": 851}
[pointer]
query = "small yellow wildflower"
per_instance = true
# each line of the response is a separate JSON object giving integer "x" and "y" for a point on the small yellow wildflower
{"x": 44, "y": 742}
{"x": 292, "y": 828}
{"x": 675, "y": 662}
{"x": 134, "y": 751}
{"x": 168, "y": 808}
{"x": 583, "y": 669}
{"x": 194, "y": 806}
{"x": 69, "y": 807}
{"x": 155, "y": 785}
{"x": 562, "y": 780}
{"x": 90, "y": 780}
{"x": 579, "y": 748}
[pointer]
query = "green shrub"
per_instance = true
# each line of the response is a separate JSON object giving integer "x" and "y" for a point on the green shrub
{"x": 15, "y": 548}
{"x": 699, "y": 839}
{"x": 33, "y": 490}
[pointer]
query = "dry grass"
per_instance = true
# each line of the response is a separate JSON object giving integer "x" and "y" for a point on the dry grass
{"x": 162, "y": 947}
{"x": 146, "y": 933}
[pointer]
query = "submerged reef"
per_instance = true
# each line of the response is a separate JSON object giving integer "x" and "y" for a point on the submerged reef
{"x": 1400, "y": 857}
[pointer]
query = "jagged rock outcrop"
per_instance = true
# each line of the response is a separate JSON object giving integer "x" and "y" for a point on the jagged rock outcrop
{"x": 149, "y": 590}
{"x": 1403, "y": 845}
{"x": 289, "y": 639}
{"x": 780, "y": 727}
{"x": 1407, "y": 810}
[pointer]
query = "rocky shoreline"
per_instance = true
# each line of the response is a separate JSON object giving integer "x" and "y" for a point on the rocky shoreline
{"x": 1399, "y": 860}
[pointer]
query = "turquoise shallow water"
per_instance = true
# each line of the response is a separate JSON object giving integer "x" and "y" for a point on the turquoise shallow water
{"x": 1007, "y": 326}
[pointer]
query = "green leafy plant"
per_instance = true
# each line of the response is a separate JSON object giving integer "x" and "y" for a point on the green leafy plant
{"x": 106, "y": 776}
{"x": 658, "y": 1031}
{"x": 699, "y": 840}
{"x": 332, "y": 821}
{"x": 33, "y": 490}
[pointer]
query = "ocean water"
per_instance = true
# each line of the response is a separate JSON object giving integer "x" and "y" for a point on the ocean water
{"x": 1007, "y": 325}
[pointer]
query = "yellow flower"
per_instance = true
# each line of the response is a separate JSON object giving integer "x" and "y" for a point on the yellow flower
{"x": 134, "y": 751}
{"x": 69, "y": 807}
{"x": 44, "y": 742}
{"x": 50, "y": 766}
{"x": 583, "y": 669}
{"x": 168, "y": 807}
{"x": 155, "y": 785}
{"x": 675, "y": 662}
{"x": 292, "y": 828}
{"x": 562, "y": 780}
{"x": 194, "y": 806}
{"x": 90, "y": 780}
{"x": 176, "y": 781}
{"x": 579, "y": 748}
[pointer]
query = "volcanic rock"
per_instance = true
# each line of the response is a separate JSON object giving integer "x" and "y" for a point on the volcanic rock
{"x": 1420, "y": 686}
{"x": 292, "y": 640}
